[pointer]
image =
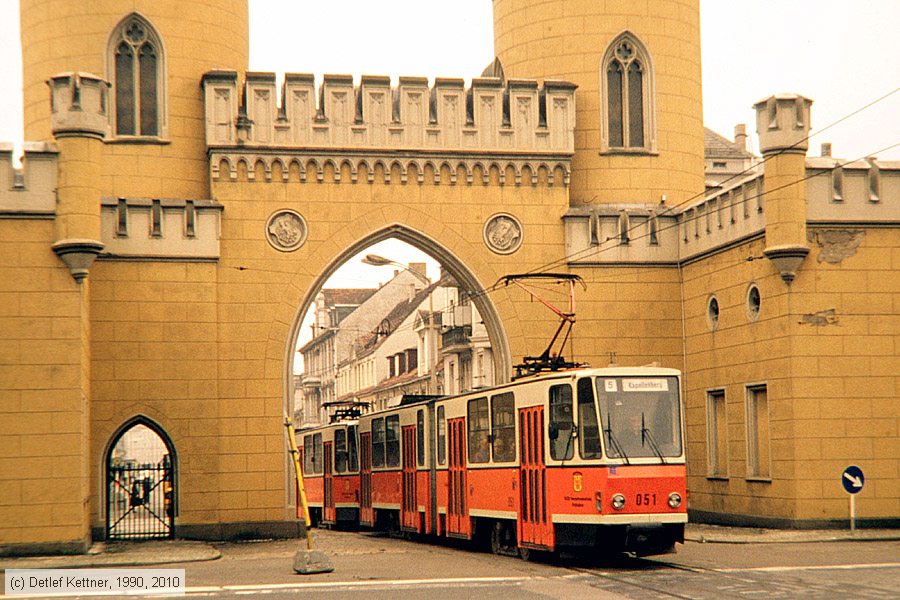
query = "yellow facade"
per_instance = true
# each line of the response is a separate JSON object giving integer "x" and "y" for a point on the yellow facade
{"x": 190, "y": 314}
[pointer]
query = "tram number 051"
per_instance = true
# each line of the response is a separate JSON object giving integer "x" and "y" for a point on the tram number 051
{"x": 645, "y": 499}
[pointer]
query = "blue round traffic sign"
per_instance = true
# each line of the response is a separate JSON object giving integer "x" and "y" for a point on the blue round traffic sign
{"x": 853, "y": 479}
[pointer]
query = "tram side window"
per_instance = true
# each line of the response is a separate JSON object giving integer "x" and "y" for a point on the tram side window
{"x": 561, "y": 423}
{"x": 340, "y": 451}
{"x": 352, "y": 454}
{"x": 503, "y": 427}
{"x": 420, "y": 438}
{"x": 318, "y": 463}
{"x": 392, "y": 425}
{"x": 308, "y": 454}
{"x": 479, "y": 431}
{"x": 441, "y": 435}
{"x": 588, "y": 427}
{"x": 378, "y": 442}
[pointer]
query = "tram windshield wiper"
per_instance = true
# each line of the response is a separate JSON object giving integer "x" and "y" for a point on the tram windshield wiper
{"x": 646, "y": 435}
{"x": 614, "y": 442}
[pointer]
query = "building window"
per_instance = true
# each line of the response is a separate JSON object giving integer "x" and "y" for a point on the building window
{"x": 628, "y": 107}
{"x": 753, "y": 303}
{"x": 758, "y": 457}
{"x": 712, "y": 313}
{"x": 716, "y": 435}
{"x": 137, "y": 69}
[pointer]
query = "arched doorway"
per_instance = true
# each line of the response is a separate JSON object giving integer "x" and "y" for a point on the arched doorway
{"x": 140, "y": 482}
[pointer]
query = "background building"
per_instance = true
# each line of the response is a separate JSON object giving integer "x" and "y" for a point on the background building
{"x": 177, "y": 215}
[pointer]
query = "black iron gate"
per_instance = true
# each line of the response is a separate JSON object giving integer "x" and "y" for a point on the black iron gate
{"x": 140, "y": 501}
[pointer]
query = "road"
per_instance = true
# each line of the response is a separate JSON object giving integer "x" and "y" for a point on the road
{"x": 368, "y": 565}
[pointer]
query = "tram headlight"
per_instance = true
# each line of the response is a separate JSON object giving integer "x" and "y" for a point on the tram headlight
{"x": 674, "y": 500}
{"x": 618, "y": 502}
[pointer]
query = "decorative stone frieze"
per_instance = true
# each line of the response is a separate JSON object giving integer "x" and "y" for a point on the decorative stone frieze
{"x": 160, "y": 229}
{"x": 311, "y": 166}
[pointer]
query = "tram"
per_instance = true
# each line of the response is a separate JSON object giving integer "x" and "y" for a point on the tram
{"x": 581, "y": 458}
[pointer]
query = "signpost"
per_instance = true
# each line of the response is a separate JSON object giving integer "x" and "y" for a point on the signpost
{"x": 853, "y": 480}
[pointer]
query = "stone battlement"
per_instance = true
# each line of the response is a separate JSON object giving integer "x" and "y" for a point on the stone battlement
{"x": 489, "y": 116}
{"x": 838, "y": 193}
{"x": 29, "y": 191}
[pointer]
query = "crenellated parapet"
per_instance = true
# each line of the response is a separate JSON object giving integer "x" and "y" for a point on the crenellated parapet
{"x": 160, "y": 229}
{"x": 516, "y": 124}
{"x": 839, "y": 194}
{"x": 30, "y": 190}
{"x": 79, "y": 105}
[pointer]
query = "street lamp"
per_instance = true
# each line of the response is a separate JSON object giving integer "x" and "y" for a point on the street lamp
{"x": 375, "y": 260}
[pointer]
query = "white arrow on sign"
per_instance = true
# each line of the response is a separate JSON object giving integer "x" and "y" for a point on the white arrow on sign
{"x": 856, "y": 481}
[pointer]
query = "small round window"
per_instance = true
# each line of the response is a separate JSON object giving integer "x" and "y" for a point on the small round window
{"x": 753, "y": 302}
{"x": 712, "y": 313}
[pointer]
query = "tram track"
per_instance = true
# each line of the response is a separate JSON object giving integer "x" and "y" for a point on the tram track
{"x": 627, "y": 579}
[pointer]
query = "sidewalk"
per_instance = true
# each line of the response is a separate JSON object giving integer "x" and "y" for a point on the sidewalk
{"x": 122, "y": 554}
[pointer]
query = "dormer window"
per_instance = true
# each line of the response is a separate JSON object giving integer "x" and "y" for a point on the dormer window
{"x": 137, "y": 66}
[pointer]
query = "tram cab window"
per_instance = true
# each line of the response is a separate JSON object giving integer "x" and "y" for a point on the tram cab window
{"x": 503, "y": 427}
{"x": 588, "y": 427}
{"x": 308, "y": 454}
{"x": 352, "y": 447}
{"x": 561, "y": 427}
{"x": 441, "y": 435}
{"x": 392, "y": 439}
{"x": 420, "y": 438}
{"x": 340, "y": 450}
{"x": 318, "y": 463}
{"x": 378, "y": 442}
{"x": 479, "y": 431}
{"x": 640, "y": 416}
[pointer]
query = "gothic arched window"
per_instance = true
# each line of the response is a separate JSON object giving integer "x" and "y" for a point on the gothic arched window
{"x": 628, "y": 104}
{"x": 137, "y": 71}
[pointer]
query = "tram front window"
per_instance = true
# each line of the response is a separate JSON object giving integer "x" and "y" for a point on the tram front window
{"x": 640, "y": 417}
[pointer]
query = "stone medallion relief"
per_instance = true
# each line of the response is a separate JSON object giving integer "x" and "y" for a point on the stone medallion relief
{"x": 503, "y": 233}
{"x": 286, "y": 230}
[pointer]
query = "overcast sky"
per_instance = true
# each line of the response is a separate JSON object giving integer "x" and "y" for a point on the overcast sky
{"x": 843, "y": 54}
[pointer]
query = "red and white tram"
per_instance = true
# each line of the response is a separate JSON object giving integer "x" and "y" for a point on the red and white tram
{"x": 579, "y": 459}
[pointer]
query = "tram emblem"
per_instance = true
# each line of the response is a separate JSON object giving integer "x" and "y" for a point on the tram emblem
{"x": 577, "y": 482}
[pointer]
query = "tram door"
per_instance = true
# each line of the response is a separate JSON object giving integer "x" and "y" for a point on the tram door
{"x": 328, "y": 512}
{"x": 366, "y": 514}
{"x": 534, "y": 527}
{"x": 409, "y": 512}
{"x": 457, "y": 507}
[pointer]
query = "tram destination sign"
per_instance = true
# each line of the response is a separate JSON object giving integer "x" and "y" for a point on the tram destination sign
{"x": 853, "y": 479}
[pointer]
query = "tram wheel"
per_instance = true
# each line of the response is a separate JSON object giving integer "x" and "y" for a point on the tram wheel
{"x": 526, "y": 554}
{"x": 503, "y": 539}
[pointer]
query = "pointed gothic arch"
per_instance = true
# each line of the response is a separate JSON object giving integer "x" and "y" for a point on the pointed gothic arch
{"x": 141, "y": 498}
{"x": 502, "y": 356}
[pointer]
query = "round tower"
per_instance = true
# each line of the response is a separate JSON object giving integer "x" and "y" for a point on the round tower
{"x": 153, "y": 53}
{"x": 639, "y": 123}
